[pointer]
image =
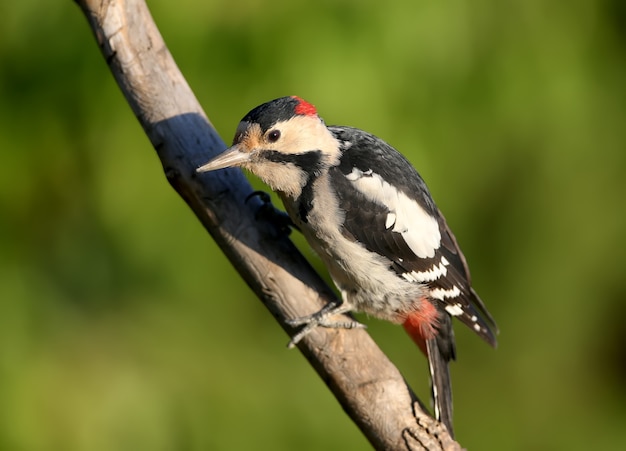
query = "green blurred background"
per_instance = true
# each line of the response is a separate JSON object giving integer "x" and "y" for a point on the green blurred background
{"x": 123, "y": 327}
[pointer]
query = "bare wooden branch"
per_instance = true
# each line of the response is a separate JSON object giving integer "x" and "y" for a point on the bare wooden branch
{"x": 368, "y": 386}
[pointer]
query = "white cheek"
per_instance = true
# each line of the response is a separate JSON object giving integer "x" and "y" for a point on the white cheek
{"x": 303, "y": 134}
{"x": 286, "y": 178}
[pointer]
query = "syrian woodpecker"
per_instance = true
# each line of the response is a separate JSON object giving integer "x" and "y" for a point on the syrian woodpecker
{"x": 369, "y": 216}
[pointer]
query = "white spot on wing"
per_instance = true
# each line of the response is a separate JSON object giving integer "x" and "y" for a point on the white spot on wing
{"x": 419, "y": 229}
{"x": 441, "y": 294}
{"x": 428, "y": 276}
{"x": 454, "y": 310}
{"x": 391, "y": 220}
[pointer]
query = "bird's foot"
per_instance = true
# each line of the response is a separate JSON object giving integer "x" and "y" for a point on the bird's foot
{"x": 270, "y": 213}
{"x": 322, "y": 319}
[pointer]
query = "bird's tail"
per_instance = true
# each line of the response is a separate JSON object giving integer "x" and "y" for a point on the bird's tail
{"x": 439, "y": 349}
{"x": 441, "y": 385}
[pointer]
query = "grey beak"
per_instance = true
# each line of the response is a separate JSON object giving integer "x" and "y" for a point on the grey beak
{"x": 230, "y": 157}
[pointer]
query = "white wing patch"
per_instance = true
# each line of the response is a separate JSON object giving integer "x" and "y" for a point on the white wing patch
{"x": 441, "y": 294}
{"x": 390, "y": 221}
{"x": 428, "y": 276}
{"x": 454, "y": 309}
{"x": 419, "y": 229}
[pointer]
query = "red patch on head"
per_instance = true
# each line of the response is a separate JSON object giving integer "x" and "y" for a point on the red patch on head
{"x": 304, "y": 108}
{"x": 420, "y": 323}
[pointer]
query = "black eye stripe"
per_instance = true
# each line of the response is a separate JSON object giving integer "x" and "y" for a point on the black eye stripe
{"x": 273, "y": 135}
{"x": 308, "y": 161}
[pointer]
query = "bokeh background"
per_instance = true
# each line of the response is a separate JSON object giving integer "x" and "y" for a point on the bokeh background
{"x": 123, "y": 327}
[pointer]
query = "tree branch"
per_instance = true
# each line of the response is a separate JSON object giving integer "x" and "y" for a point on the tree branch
{"x": 368, "y": 386}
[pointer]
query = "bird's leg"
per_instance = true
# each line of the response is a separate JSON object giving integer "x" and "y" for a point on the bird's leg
{"x": 322, "y": 318}
{"x": 267, "y": 211}
{"x": 284, "y": 225}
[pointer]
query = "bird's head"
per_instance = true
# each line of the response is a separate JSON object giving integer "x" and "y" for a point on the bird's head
{"x": 282, "y": 142}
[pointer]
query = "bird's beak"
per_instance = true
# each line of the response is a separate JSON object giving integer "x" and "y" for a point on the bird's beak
{"x": 230, "y": 157}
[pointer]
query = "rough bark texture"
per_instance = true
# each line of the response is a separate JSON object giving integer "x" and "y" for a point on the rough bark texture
{"x": 368, "y": 386}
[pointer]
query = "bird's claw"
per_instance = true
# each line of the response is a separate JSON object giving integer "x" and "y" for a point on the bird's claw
{"x": 267, "y": 211}
{"x": 321, "y": 318}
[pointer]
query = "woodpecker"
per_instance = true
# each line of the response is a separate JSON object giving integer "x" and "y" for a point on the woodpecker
{"x": 369, "y": 216}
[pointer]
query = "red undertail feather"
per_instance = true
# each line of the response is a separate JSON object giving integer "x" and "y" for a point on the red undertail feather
{"x": 420, "y": 324}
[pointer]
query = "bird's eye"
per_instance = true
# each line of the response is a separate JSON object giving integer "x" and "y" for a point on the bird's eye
{"x": 273, "y": 136}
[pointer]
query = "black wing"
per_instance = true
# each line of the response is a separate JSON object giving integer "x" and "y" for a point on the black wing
{"x": 402, "y": 223}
